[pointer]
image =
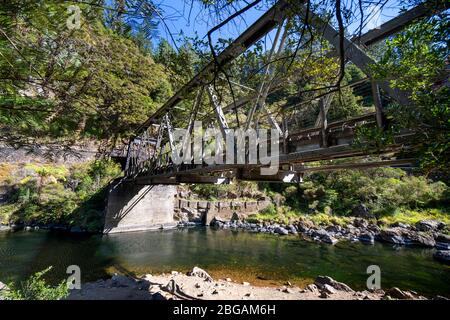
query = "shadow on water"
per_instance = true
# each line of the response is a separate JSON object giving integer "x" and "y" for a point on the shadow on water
{"x": 258, "y": 258}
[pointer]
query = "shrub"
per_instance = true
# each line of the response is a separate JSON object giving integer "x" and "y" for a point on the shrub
{"x": 35, "y": 288}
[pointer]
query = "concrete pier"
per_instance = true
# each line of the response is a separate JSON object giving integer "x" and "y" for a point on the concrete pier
{"x": 134, "y": 207}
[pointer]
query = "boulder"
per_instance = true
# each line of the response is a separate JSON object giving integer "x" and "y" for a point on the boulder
{"x": 360, "y": 223}
{"x": 334, "y": 228}
{"x": 366, "y": 238}
{"x": 329, "y": 239}
{"x": 312, "y": 288}
{"x": 303, "y": 226}
{"x": 406, "y": 237}
{"x": 321, "y": 281}
{"x": 281, "y": 231}
{"x": 328, "y": 289}
{"x": 442, "y": 255}
{"x": 5, "y": 228}
{"x": 324, "y": 236}
{"x": 430, "y": 225}
{"x": 443, "y": 238}
{"x": 200, "y": 273}
{"x": 374, "y": 228}
{"x": 399, "y": 294}
{"x": 292, "y": 229}
{"x": 362, "y": 211}
{"x": 400, "y": 225}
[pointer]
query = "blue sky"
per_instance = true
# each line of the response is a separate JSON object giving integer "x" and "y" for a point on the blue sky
{"x": 184, "y": 20}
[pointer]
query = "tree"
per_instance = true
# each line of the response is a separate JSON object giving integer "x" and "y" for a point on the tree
{"x": 416, "y": 61}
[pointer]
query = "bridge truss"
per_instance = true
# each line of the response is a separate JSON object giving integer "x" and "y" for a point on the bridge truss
{"x": 207, "y": 97}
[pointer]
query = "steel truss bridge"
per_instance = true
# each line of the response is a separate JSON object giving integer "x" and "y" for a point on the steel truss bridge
{"x": 148, "y": 158}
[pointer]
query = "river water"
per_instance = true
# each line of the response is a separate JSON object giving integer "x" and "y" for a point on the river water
{"x": 260, "y": 259}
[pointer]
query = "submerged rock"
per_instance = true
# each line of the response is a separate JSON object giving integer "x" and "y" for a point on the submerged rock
{"x": 366, "y": 238}
{"x": 442, "y": 255}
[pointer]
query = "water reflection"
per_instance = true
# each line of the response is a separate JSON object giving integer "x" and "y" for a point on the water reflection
{"x": 222, "y": 252}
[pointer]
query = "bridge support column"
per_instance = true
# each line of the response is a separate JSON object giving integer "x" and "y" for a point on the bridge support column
{"x": 134, "y": 207}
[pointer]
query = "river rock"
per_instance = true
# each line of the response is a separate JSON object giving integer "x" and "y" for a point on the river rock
{"x": 324, "y": 236}
{"x": 292, "y": 229}
{"x": 281, "y": 231}
{"x": 444, "y": 238}
{"x": 400, "y": 225}
{"x": 360, "y": 223}
{"x": 312, "y": 288}
{"x": 430, "y": 225}
{"x": 328, "y": 289}
{"x": 199, "y": 272}
{"x": 321, "y": 281}
{"x": 374, "y": 228}
{"x": 4, "y": 228}
{"x": 329, "y": 239}
{"x": 407, "y": 237}
{"x": 334, "y": 228}
{"x": 366, "y": 237}
{"x": 442, "y": 255}
{"x": 303, "y": 226}
{"x": 399, "y": 294}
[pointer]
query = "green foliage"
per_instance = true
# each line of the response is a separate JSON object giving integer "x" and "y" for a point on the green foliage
{"x": 238, "y": 189}
{"x": 384, "y": 191}
{"x": 415, "y": 61}
{"x": 56, "y": 194}
{"x": 35, "y": 288}
{"x": 96, "y": 81}
{"x": 381, "y": 190}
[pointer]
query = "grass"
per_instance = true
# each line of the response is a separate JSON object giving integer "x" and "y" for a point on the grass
{"x": 404, "y": 215}
{"x": 6, "y": 211}
{"x": 411, "y": 216}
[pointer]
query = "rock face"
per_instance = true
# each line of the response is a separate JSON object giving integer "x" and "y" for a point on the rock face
{"x": 430, "y": 225}
{"x": 403, "y": 236}
{"x": 442, "y": 255}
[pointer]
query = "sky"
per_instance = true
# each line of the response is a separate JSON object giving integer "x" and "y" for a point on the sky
{"x": 182, "y": 19}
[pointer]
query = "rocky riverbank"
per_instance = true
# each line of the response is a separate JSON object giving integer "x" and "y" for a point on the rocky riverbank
{"x": 199, "y": 285}
{"x": 425, "y": 233}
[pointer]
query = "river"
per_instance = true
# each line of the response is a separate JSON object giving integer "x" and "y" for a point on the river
{"x": 260, "y": 259}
